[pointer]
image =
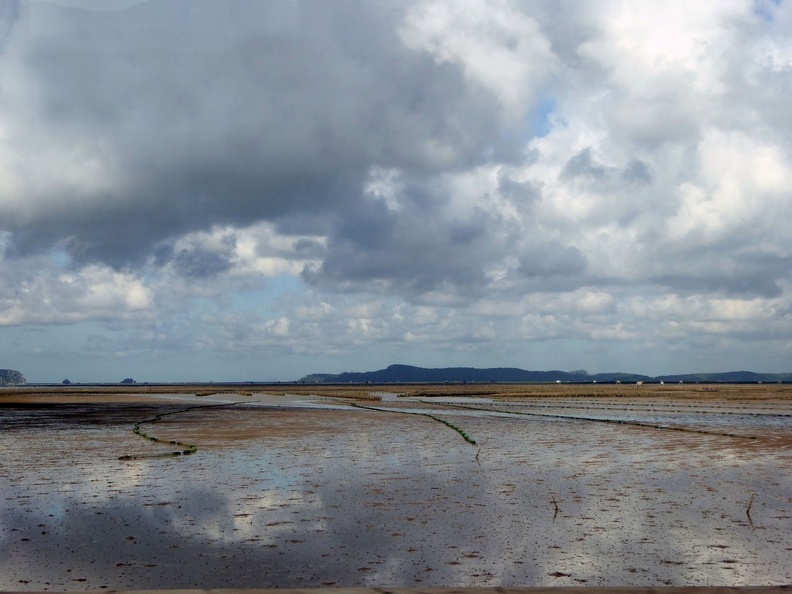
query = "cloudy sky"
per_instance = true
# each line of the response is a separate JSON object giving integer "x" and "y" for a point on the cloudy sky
{"x": 246, "y": 190}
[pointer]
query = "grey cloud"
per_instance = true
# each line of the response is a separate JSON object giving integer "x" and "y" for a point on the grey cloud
{"x": 412, "y": 252}
{"x": 308, "y": 248}
{"x": 195, "y": 259}
{"x": 10, "y": 13}
{"x": 582, "y": 168}
{"x": 522, "y": 192}
{"x": 369, "y": 225}
{"x": 566, "y": 32}
{"x": 200, "y": 264}
{"x": 218, "y": 113}
{"x": 582, "y": 165}
{"x": 637, "y": 171}
{"x": 744, "y": 285}
{"x": 552, "y": 260}
{"x": 749, "y": 275}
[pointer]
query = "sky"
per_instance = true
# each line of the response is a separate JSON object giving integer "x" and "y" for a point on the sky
{"x": 195, "y": 190}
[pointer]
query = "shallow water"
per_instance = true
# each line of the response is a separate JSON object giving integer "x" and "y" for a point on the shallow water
{"x": 305, "y": 497}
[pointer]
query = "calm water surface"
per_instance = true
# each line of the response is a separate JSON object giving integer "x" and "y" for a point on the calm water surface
{"x": 308, "y": 497}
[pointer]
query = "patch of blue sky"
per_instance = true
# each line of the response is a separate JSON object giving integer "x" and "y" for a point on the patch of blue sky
{"x": 261, "y": 299}
{"x": 765, "y": 9}
{"x": 540, "y": 121}
{"x": 60, "y": 257}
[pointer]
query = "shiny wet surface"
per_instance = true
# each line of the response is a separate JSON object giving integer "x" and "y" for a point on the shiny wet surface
{"x": 306, "y": 497}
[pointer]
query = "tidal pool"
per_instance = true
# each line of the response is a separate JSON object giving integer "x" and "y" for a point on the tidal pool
{"x": 302, "y": 496}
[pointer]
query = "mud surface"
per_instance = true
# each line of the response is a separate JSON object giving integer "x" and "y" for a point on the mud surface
{"x": 304, "y": 496}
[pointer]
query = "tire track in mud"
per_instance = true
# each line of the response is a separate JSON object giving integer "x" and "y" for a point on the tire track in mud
{"x": 188, "y": 448}
{"x": 596, "y": 420}
{"x": 461, "y": 432}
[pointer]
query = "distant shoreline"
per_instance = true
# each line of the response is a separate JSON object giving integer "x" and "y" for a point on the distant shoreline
{"x": 148, "y": 392}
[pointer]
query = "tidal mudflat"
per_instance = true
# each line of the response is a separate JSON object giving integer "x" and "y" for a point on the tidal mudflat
{"x": 560, "y": 488}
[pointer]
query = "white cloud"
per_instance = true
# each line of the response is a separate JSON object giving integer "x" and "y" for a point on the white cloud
{"x": 46, "y": 295}
{"x": 253, "y": 251}
{"x": 667, "y": 64}
{"x": 499, "y": 47}
{"x": 745, "y": 186}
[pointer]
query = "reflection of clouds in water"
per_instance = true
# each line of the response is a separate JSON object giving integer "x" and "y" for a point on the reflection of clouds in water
{"x": 375, "y": 499}
{"x": 659, "y": 516}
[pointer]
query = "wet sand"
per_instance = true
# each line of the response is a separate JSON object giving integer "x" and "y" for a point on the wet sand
{"x": 300, "y": 491}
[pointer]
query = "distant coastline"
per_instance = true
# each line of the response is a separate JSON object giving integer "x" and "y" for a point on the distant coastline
{"x": 409, "y": 374}
{"x": 412, "y": 374}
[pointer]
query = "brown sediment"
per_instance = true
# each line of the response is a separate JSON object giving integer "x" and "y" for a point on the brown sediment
{"x": 187, "y": 448}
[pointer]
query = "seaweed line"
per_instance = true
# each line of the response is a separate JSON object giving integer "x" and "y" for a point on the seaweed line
{"x": 556, "y": 509}
{"x": 748, "y": 509}
{"x": 464, "y": 435}
{"x": 188, "y": 447}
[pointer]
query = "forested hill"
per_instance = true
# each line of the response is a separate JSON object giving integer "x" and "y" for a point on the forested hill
{"x": 410, "y": 374}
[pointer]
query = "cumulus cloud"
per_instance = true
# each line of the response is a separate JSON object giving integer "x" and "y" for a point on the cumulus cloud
{"x": 46, "y": 295}
{"x": 313, "y": 178}
{"x": 498, "y": 47}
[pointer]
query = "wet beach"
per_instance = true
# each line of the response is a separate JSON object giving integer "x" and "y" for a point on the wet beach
{"x": 568, "y": 489}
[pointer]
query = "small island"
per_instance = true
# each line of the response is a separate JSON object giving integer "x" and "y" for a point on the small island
{"x": 11, "y": 377}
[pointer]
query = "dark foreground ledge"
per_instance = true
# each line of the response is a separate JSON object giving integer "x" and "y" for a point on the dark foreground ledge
{"x": 787, "y": 589}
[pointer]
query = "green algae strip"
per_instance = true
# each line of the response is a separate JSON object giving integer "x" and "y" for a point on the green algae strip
{"x": 187, "y": 448}
{"x": 464, "y": 435}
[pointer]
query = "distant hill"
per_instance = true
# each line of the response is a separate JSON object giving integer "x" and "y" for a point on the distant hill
{"x": 727, "y": 377}
{"x": 11, "y": 377}
{"x": 409, "y": 374}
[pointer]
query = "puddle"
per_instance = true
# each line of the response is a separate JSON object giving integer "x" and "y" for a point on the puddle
{"x": 307, "y": 497}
